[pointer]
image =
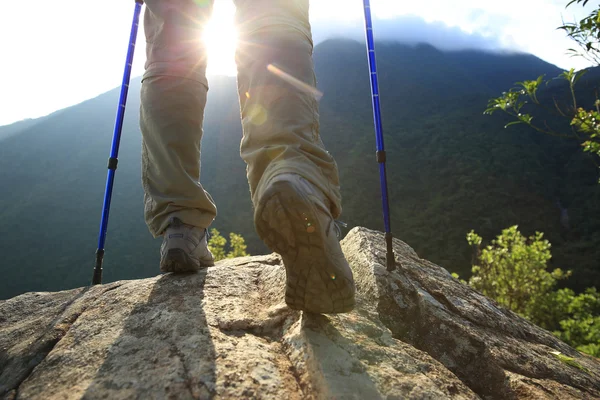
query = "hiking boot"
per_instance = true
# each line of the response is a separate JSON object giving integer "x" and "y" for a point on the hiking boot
{"x": 293, "y": 219}
{"x": 184, "y": 248}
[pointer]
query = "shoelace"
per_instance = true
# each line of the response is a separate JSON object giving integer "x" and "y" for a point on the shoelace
{"x": 338, "y": 228}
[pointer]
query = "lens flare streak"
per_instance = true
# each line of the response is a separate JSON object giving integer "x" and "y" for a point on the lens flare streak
{"x": 297, "y": 83}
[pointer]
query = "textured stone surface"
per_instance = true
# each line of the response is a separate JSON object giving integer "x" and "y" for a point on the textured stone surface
{"x": 226, "y": 333}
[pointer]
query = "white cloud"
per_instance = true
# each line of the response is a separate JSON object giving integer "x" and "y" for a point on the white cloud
{"x": 58, "y": 53}
{"x": 519, "y": 25}
{"x": 410, "y": 29}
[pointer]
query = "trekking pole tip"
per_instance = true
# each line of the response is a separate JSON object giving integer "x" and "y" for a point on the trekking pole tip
{"x": 97, "y": 278}
{"x": 390, "y": 259}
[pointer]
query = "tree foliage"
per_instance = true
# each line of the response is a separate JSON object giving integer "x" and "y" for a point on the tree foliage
{"x": 584, "y": 122}
{"x": 513, "y": 271}
{"x": 580, "y": 324}
{"x": 585, "y": 33}
{"x": 218, "y": 246}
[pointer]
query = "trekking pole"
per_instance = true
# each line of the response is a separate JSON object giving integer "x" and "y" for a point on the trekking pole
{"x": 389, "y": 258}
{"x": 114, "y": 152}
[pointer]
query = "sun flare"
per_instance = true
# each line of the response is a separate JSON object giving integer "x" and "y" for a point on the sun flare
{"x": 220, "y": 38}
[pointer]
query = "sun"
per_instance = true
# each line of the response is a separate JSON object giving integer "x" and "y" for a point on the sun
{"x": 220, "y": 38}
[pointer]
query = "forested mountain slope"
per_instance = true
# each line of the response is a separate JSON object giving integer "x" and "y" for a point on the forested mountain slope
{"x": 450, "y": 169}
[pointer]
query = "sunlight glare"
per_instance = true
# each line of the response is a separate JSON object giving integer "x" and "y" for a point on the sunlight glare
{"x": 220, "y": 38}
{"x": 341, "y": 10}
{"x": 297, "y": 83}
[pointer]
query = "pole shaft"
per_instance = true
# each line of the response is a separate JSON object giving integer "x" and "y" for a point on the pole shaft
{"x": 378, "y": 132}
{"x": 114, "y": 152}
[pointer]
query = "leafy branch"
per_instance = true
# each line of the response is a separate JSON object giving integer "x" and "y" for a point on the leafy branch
{"x": 516, "y": 101}
{"x": 585, "y": 33}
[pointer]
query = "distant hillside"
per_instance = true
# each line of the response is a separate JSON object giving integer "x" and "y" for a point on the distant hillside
{"x": 17, "y": 127}
{"x": 451, "y": 169}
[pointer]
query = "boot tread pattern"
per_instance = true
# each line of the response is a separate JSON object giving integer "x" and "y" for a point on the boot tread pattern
{"x": 287, "y": 222}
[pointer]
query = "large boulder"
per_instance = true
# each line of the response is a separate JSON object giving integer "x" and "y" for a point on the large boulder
{"x": 225, "y": 332}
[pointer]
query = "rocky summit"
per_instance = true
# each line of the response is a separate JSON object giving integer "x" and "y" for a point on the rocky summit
{"x": 225, "y": 332}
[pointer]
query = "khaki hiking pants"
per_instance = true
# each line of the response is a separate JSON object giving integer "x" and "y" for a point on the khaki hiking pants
{"x": 280, "y": 121}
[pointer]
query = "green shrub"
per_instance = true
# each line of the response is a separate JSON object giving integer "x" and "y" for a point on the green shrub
{"x": 512, "y": 270}
{"x": 218, "y": 246}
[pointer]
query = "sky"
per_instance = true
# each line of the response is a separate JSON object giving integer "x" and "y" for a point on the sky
{"x": 54, "y": 54}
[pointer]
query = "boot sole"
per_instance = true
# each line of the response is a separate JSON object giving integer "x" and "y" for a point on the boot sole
{"x": 315, "y": 281}
{"x": 178, "y": 260}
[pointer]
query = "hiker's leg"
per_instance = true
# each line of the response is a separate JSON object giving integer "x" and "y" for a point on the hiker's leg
{"x": 173, "y": 97}
{"x": 284, "y": 154}
{"x": 280, "y": 121}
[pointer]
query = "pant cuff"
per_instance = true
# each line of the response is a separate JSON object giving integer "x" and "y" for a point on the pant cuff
{"x": 187, "y": 216}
